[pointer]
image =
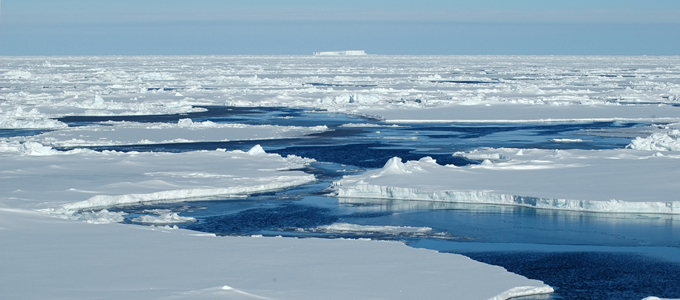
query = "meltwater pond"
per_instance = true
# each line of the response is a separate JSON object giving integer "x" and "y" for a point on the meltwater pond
{"x": 528, "y": 241}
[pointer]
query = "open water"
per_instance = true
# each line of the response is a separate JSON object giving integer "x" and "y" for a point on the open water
{"x": 583, "y": 255}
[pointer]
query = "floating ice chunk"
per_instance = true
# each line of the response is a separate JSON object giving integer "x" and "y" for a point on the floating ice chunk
{"x": 163, "y": 217}
{"x": 391, "y": 230}
{"x": 567, "y": 140}
{"x": 524, "y": 291}
{"x": 474, "y": 155}
{"x": 256, "y": 150}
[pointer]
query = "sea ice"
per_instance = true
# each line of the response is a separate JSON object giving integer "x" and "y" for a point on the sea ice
{"x": 393, "y": 230}
{"x": 185, "y": 131}
{"x": 45, "y": 257}
{"x": 669, "y": 141}
{"x": 85, "y": 179}
{"x": 586, "y": 180}
{"x": 162, "y": 217}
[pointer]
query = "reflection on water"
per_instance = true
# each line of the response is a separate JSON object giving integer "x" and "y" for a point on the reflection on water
{"x": 513, "y": 224}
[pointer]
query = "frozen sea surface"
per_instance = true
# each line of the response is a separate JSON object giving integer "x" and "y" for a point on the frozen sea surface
{"x": 369, "y": 143}
{"x": 374, "y": 108}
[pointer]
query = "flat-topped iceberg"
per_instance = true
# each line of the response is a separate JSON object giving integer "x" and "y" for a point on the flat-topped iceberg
{"x": 625, "y": 180}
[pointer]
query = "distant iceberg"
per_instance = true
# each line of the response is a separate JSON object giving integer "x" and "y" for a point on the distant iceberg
{"x": 340, "y": 53}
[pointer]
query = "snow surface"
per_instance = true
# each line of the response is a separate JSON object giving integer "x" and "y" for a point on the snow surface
{"x": 51, "y": 258}
{"x": 185, "y": 131}
{"x": 528, "y": 113}
{"x": 85, "y": 179}
{"x": 45, "y": 257}
{"x": 405, "y": 88}
{"x": 620, "y": 180}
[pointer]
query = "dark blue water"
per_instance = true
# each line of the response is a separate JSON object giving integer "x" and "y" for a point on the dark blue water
{"x": 6, "y": 133}
{"x": 582, "y": 275}
{"x": 371, "y": 147}
{"x": 455, "y": 227}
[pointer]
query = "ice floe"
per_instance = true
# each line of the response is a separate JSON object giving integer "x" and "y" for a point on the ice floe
{"x": 624, "y": 180}
{"x": 184, "y": 131}
{"x": 84, "y": 179}
{"x": 391, "y": 230}
{"x": 162, "y": 216}
{"x": 76, "y": 260}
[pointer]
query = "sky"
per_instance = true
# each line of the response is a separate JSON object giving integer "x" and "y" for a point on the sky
{"x": 300, "y": 27}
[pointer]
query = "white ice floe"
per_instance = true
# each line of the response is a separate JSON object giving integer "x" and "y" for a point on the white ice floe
{"x": 567, "y": 140}
{"x": 85, "y": 179}
{"x": 185, "y": 131}
{"x": 75, "y": 260}
{"x": 623, "y": 180}
{"x": 391, "y": 230}
{"x": 162, "y": 216}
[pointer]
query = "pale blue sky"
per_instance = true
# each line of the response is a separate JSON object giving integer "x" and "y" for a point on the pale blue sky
{"x": 95, "y": 27}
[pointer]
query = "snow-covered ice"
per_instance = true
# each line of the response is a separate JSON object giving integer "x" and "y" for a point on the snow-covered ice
{"x": 659, "y": 141}
{"x": 185, "y": 131}
{"x": 85, "y": 179}
{"x": 620, "y": 180}
{"x": 48, "y": 258}
{"x": 424, "y": 88}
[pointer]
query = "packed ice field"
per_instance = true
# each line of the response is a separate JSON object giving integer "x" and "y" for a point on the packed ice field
{"x": 59, "y": 240}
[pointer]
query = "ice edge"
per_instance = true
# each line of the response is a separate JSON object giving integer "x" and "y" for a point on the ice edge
{"x": 524, "y": 291}
{"x": 486, "y": 197}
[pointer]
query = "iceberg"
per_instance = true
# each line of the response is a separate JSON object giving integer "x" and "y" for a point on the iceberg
{"x": 340, "y": 53}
